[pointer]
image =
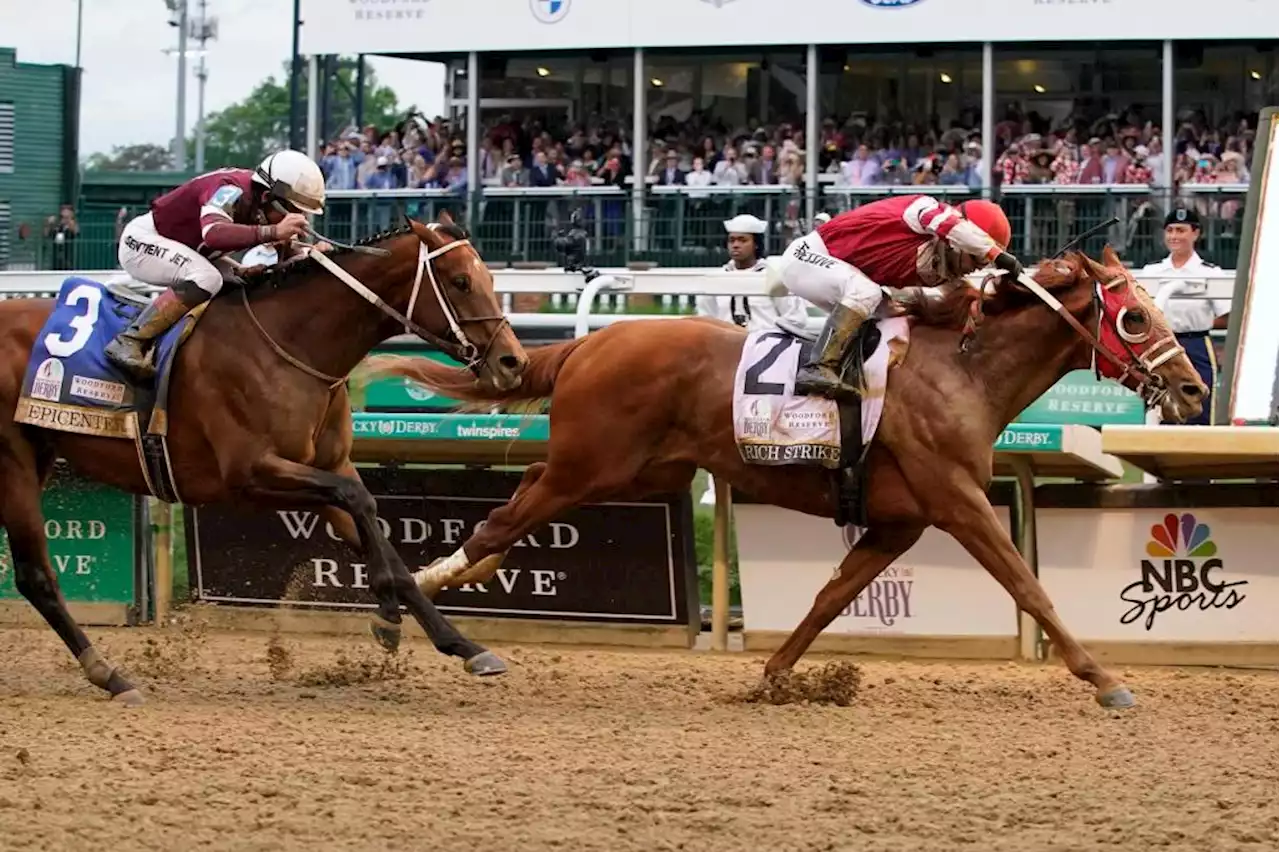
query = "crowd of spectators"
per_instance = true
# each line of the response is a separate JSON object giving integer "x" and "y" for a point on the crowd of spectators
{"x": 857, "y": 150}
{"x": 702, "y": 152}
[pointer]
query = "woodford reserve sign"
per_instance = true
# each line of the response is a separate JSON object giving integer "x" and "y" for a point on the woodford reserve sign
{"x": 630, "y": 563}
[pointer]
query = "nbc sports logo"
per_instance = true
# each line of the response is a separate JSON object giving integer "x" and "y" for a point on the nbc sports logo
{"x": 1182, "y": 574}
{"x": 1181, "y": 536}
{"x": 549, "y": 11}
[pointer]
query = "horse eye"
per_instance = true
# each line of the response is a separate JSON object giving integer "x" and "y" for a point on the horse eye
{"x": 462, "y": 282}
{"x": 1134, "y": 325}
{"x": 1135, "y": 321}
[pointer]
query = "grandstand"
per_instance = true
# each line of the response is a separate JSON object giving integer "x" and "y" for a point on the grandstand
{"x": 573, "y": 99}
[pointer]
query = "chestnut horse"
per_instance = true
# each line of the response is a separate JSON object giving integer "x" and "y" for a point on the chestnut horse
{"x": 638, "y": 407}
{"x": 258, "y": 411}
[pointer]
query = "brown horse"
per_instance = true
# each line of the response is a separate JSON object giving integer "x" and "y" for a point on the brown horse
{"x": 636, "y": 408}
{"x": 259, "y": 411}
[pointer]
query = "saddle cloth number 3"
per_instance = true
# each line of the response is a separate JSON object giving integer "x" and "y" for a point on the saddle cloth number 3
{"x": 82, "y": 324}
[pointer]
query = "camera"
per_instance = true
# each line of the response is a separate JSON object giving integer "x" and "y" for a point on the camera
{"x": 571, "y": 245}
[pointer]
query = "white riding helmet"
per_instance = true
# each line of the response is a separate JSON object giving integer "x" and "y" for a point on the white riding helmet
{"x": 294, "y": 178}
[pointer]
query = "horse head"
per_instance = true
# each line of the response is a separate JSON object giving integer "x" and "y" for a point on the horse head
{"x": 1138, "y": 348}
{"x": 453, "y": 299}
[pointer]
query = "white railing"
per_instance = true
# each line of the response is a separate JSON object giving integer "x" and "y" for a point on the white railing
{"x": 619, "y": 282}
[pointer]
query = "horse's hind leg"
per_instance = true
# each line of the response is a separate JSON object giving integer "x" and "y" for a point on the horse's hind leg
{"x": 874, "y": 551}
{"x": 544, "y": 492}
{"x": 23, "y": 469}
{"x": 484, "y": 561}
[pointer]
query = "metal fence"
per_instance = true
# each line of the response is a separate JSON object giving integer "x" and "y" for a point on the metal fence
{"x": 681, "y": 226}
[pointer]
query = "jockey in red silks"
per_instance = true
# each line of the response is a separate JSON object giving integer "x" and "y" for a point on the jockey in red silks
{"x": 899, "y": 242}
{"x": 179, "y": 244}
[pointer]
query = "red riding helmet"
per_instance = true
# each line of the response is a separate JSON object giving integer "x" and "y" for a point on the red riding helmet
{"x": 989, "y": 217}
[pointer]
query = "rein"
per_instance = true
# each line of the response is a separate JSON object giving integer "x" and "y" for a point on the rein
{"x": 462, "y": 350}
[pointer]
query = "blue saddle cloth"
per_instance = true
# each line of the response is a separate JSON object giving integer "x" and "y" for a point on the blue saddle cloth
{"x": 68, "y": 365}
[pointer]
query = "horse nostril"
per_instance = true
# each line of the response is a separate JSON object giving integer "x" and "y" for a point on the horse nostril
{"x": 510, "y": 362}
{"x": 1191, "y": 390}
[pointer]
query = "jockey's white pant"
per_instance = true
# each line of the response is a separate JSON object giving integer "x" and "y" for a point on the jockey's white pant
{"x": 162, "y": 262}
{"x": 809, "y": 271}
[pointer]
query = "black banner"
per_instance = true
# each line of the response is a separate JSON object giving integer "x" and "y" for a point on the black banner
{"x": 627, "y": 563}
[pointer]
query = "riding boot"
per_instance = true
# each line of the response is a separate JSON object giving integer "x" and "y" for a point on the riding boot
{"x": 128, "y": 350}
{"x": 821, "y": 374}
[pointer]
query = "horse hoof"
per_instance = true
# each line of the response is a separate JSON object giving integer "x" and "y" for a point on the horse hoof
{"x": 386, "y": 633}
{"x": 129, "y": 698}
{"x": 1116, "y": 698}
{"x": 485, "y": 664}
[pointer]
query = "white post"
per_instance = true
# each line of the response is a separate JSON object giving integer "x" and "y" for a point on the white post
{"x": 1166, "y": 121}
{"x": 313, "y": 100}
{"x": 988, "y": 115}
{"x": 202, "y": 74}
{"x": 473, "y": 135}
{"x": 811, "y": 136}
{"x": 180, "y": 134}
{"x": 639, "y": 147}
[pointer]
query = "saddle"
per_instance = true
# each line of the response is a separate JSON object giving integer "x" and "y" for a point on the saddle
{"x": 71, "y": 386}
{"x": 775, "y": 426}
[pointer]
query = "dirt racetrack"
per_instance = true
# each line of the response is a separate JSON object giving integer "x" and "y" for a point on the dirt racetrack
{"x": 254, "y": 743}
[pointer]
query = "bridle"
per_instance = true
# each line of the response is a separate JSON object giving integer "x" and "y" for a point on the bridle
{"x": 460, "y": 348}
{"x": 1141, "y": 368}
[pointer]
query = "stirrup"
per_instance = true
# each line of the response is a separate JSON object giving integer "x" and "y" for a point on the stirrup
{"x": 825, "y": 383}
{"x": 141, "y": 368}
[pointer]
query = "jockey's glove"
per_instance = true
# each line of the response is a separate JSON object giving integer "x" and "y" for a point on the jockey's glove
{"x": 1010, "y": 264}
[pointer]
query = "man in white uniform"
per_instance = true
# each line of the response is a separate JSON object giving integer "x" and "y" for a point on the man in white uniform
{"x": 745, "y": 243}
{"x": 1190, "y": 319}
{"x": 755, "y": 313}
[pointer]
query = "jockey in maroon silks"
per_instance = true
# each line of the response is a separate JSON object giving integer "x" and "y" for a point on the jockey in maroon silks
{"x": 899, "y": 242}
{"x": 180, "y": 242}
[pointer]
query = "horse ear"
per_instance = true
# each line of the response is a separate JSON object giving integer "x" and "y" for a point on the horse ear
{"x": 423, "y": 232}
{"x": 1095, "y": 269}
{"x": 1110, "y": 258}
{"x": 445, "y": 218}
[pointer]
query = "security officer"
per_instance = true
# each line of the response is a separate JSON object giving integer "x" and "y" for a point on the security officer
{"x": 1190, "y": 319}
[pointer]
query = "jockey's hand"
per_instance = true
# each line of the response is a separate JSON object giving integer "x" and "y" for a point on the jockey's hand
{"x": 291, "y": 227}
{"x": 323, "y": 246}
{"x": 1010, "y": 264}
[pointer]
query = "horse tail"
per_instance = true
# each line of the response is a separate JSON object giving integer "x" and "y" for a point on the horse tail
{"x": 537, "y": 381}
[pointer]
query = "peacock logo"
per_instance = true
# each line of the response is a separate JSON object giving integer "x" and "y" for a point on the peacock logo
{"x": 1181, "y": 535}
{"x": 1179, "y": 575}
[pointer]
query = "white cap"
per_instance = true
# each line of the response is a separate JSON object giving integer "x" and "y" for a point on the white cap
{"x": 745, "y": 223}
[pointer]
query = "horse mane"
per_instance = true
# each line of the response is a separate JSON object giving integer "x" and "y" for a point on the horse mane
{"x": 955, "y": 307}
{"x": 280, "y": 275}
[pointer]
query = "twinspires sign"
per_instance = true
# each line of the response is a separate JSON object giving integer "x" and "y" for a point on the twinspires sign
{"x": 93, "y": 534}
{"x": 629, "y": 563}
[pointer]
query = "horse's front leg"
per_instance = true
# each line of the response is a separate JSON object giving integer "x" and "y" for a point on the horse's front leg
{"x": 970, "y": 519}
{"x": 280, "y": 480}
{"x": 874, "y": 551}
